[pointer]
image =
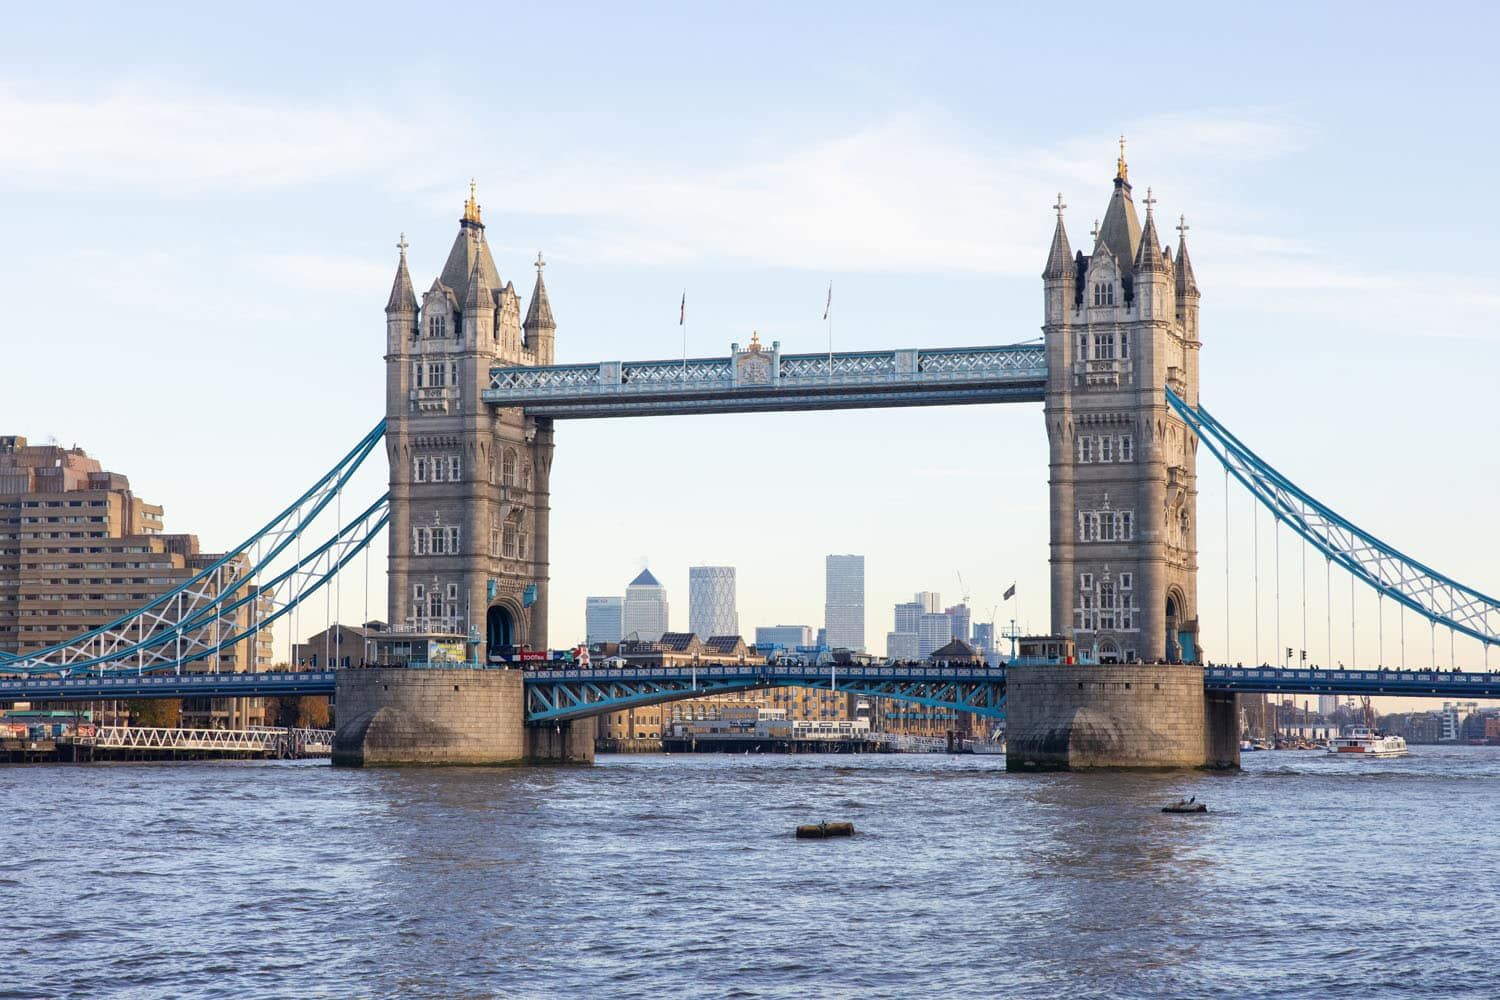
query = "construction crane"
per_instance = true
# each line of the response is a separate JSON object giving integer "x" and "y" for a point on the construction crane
{"x": 963, "y": 588}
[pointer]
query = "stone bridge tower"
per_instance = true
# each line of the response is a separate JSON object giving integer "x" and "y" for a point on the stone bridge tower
{"x": 1122, "y": 324}
{"x": 469, "y": 483}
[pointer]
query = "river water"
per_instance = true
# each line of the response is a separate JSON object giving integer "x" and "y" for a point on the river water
{"x": 655, "y": 876}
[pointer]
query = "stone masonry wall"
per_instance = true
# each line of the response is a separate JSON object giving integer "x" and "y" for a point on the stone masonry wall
{"x": 399, "y": 716}
{"x": 1086, "y": 716}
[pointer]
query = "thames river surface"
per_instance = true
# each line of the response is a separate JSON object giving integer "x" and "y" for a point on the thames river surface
{"x": 656, "y": 876}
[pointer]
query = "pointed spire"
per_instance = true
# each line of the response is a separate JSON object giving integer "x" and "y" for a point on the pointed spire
{"x": 1121, "y": 229}
{"x": 539, "y": 314}
{"x": 480, "y": 293}
{"x": 1122, "y": 172}
{"x": 403, "y": 297}
{"x": 1185, "y": 281}
{"x": 1060, "y": 257}
{"x": 471, "y": 208}
{"x": 1148, "y": 257}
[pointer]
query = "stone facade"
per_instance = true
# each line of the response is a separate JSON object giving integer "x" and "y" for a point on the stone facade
{"x": 1111, "y": 716}
{"x": 469, "y": 483}
{"x": 1122, "y": 324}
{"x": 392, "y": 715}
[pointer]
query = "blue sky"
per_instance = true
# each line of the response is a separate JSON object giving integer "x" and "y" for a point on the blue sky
{"x": 201, "y": 211}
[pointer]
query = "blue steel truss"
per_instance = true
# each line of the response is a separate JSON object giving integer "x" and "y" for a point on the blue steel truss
{"x": 776, "y": 381}
{"x": 556, "y": 695}
{"x": 203, "y": 616}
{"x": 560, "y": 695}
{"x": 1391, "y": 573}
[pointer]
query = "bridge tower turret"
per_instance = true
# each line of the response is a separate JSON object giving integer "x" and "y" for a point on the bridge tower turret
{"x": 1123, "y": 475}
{"x": 469, "y": 482}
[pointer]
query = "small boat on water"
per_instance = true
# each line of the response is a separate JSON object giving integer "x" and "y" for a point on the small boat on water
{"x": 1366, "y": 742}
{"x": 1191, "y": 805}
{"x": 1247, "y": 747}
{"x": 994, "y": 745}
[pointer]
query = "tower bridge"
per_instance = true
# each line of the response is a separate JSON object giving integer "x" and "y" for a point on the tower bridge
{"x": 473, "y": 392}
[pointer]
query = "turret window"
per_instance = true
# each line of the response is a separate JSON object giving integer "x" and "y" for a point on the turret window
{"x": 1104, "y": 293}
{"x": 437, "y": 326}
{"x": 437, "y": 374}
{"x": 1104, "y": 347}
{"x": 1105, "y": 448}
{"x": 419, "y": 470}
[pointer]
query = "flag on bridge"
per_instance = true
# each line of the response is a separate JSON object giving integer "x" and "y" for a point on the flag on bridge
{"x": 682, "y": 311}
{"x": 1009, "y": 593}
{"x": 828, "y": 306}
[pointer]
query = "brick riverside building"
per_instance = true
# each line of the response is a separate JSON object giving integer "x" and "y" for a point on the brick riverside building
{"x": 79, "y": 549}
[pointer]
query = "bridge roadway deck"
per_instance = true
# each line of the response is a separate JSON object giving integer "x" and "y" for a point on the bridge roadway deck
{"x": 558, "y": 694}
{"x": 760, "y": 380}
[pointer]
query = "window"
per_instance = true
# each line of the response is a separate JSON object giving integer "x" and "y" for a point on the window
{"x": 452, "y": 592}
{"x": 1104, "y": 347}
{"x": 453, "y": 373}
{"x": 1124, "y": 345}
{"x": 1085, "y": 449}
{"x": 454, "y": 467}
{"x": 419, "y": 470}
{"x": 1086, "y": 581}
{"x": 1106, "y": 528}
{"x": 1123, "y": 527}
{"x": 453, "y": 540}
{"x": 1106, "y": 449}
{"x": 1083, "y": 347}
{"x": 508, "y": 467}
{"x": 1127, "y": 448}
{"x": 1126, "y": 580}
{"x": 418, "y": 593}
{"x": 508, "y": 541}
{"x": 437, "y": 326}
{"x": 416, "y": 374}
{"x": 420, "y": 540}
{"x": 1104, "y": 293}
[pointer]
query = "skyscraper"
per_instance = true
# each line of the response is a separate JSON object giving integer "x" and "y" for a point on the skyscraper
{"x": 961, "y": 616}
{"x": 645, "y": 608}
{"x": 711, "y": 601}
{"x": 603, "y": 619}
{"x": 934, "y": 629}
{"x": 844, "y": 602}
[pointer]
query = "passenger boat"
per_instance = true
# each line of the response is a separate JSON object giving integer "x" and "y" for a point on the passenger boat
{"x": 993, "y": 745}
{"x": 1367, "y": 742}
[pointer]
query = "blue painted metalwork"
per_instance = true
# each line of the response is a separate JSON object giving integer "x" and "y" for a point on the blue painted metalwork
{"x": 1404, "y": 683}
{"x": 851, "y": 379}
{"x": 556, "y": 695}
{"x": 166, "y": 686}
{"x": 1390, "y": 572}
{"x": 559, "y": 695}
{"x": 307, "y": 577}
{"x": 208, "y": 590}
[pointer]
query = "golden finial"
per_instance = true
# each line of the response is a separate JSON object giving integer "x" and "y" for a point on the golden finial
{"x": 471, "y": 207}
{"x": 1121, "y": 171}
{"x": 754, "y": 340}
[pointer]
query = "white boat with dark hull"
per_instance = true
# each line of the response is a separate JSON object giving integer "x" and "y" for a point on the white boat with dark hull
{"x": 1366, "y": 742}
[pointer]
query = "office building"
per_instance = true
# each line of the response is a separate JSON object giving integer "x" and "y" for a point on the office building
{"x": 603, "y": 619}
{"x": 711, "y": 601}
{"x": 645, "y": 608}
{"x": 786, "y": 636}
{"x": 960, "y": 616}
{"x": 844, "y": 602}
{"x": 984, "y": 640}
{"x": 78, "y": 549}
{"x": 933, "y": 630}
{"x": 902, "y": 646}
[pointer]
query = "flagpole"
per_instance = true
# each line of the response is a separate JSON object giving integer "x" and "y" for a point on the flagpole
{"x": 828, "y": 315}
{"x": 682, "y": 322}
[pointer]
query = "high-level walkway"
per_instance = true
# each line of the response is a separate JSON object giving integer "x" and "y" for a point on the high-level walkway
{"x": 770, "y": 380}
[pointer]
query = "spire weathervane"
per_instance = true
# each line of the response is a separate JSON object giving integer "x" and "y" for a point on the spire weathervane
{"x": 1121, "y": 171}
{"x": 471, "y": 207}
{"x": 1059, "y": 206}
